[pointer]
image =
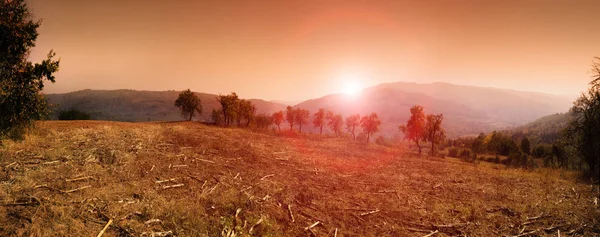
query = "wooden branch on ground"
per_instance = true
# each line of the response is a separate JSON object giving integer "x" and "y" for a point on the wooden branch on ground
{"x": 208, "y": 161}
{"x": 431, "y": 234}
{"x": 105, "y": 227}
{"x": 419, "y": 230}
{"x": 79, "y": 179}
{"x": 179, "y": 166}
{"x": 172, "y": 186}
{"x": 164, "y": 181}
{"x": 77, "y": 189}
{"x": 335, "y": 233}
{"x": 152, "y": 221}
{"x": 257, "y": 223}
{"x": 9, "y": 165}
{"x": 106, "y": 217}
{"x": 369, "y": 212}
{"x": 541, "y": 215}
{"x": 267, "y": 176}
{"x": 51, "y": 162}
{"x": 311, "y": 226}
{"x": 289, "y": 207}
{"x": 61, "y": 191}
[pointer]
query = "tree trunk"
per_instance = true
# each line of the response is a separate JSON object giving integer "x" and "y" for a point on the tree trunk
{"x": 368, "y": 136}
{"x": 353, "y": 135}
{"x": 432, "y": 148}
{"x": 419, "y": 146}
{"x": 300, "y": 127}
{"x": 321, "y": 131}
{"x": 191, "y": 114}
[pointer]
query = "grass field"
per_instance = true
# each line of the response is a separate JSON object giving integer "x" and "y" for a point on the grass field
{"x": 188, "y": 179}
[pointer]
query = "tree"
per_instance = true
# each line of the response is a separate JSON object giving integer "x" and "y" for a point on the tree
{"x": 319, "y": 120}
{"x": 21, "y": 81}
{"x": 414, "y": 130}
{"x": 263, "y": 121}
{"x": 246, "y": 111}
{"x": 229, "y": 104}
{"x": 478, "y": 144}
{"x": 188, "y": 103}
{"x": 434, "y": 132}
{"x": 302, "y": 117}
{"x": 335, "y": 122}
{"x": 217, "y": 117}
{"x": 290, "y": 116}
{"x": 584, "y": 129}
{"x": 352, "y": 122}
{"x": 73, "y": 114}
{"x": 277, "y": 118}
{"x": 526, "y": 146}
{"x": 370, "y": 124}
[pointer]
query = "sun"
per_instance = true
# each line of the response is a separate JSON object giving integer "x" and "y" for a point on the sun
{"x": 351, "y": 84}
{"x": 351, "y": 88}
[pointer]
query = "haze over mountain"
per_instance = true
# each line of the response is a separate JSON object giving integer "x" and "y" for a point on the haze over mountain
{"x": 466, "y": 109}
{"x": 135, "y": 106}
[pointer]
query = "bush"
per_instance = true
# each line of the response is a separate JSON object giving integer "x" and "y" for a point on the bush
{"x": 453, "y": 152}
{"x": 380, "y": 140}
{"x": 517, "y": 159}
{"x": 73, "y": 114}
{"x": 467, "y": 155}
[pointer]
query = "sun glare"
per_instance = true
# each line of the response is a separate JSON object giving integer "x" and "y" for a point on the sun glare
{"x": 351, "y": 88}
{"x": 351, "y": 84}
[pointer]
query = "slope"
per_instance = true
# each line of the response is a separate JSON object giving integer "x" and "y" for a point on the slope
{"x": 188, "y": 179}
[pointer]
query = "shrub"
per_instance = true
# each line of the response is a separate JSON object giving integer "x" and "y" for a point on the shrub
{"x": 73, "y": 114}
{"x": 467, "y": 155}
{"x": 453, "y": 152}
{"x": 380, "y": 140}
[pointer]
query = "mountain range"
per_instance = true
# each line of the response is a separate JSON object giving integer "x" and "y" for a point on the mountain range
{"x": 466, "y": 109}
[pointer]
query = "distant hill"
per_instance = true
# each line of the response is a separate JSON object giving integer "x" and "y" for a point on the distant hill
{"x": 132, "y": 105}
{"x": 466, "y": 109}
{"x": 546, "y": 129}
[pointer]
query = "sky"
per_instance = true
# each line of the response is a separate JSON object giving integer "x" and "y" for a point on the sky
{"x": 297, "y": 50}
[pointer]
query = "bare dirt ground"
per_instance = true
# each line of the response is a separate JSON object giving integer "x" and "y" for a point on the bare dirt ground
{"x": 187, "y": 179}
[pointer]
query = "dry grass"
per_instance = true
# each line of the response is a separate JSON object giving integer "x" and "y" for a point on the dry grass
{"x": 187, "y": 179}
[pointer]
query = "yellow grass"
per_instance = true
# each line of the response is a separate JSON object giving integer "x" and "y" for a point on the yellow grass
{"x": 188, "y": 179}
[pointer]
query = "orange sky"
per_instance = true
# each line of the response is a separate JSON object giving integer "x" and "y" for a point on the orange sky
{"x": 296, "y": 50}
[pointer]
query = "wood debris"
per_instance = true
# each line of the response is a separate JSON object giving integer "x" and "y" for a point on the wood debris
{"x": 267, "y": 176}
{"x": 105, "y": 227}
{"x": 289, "y": 207}
{"x": 79, "y": 179}
{"x": 369, "y": 212}
{"x": 172, "y": 186}
{"x": 431, "y": 234}
{"x": 152, "y": 221}
{"x": 257, "y": 223}
{"x": 164, "y": 181}
{"x": 312, "y": 226}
